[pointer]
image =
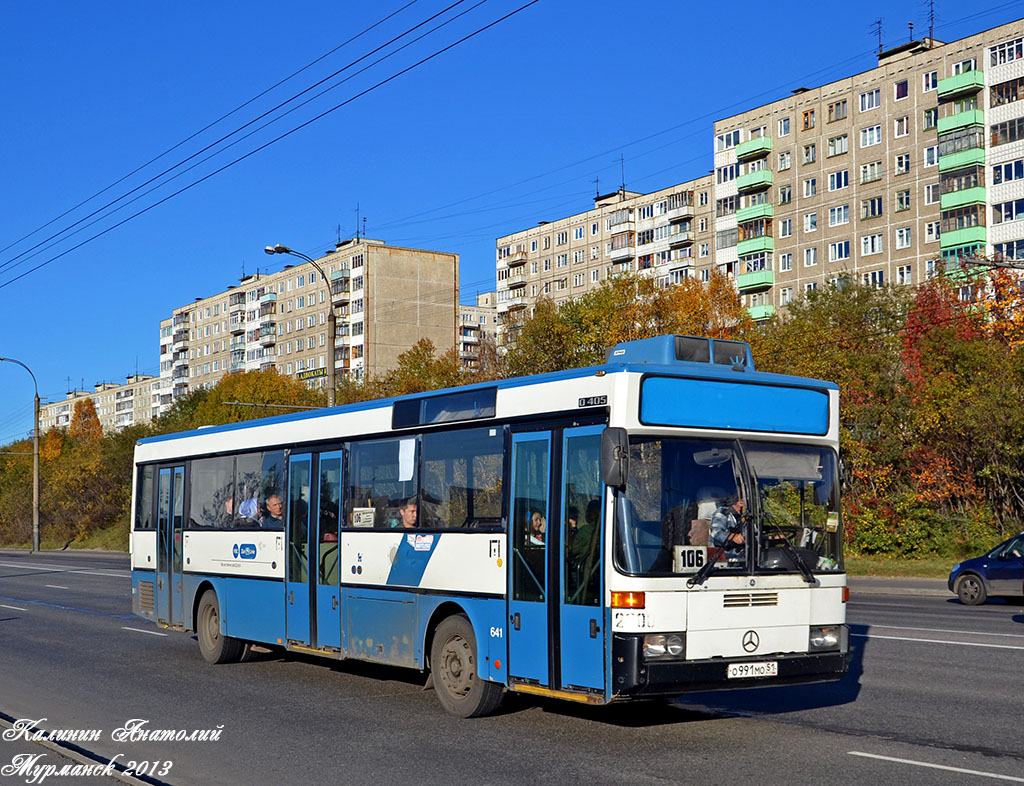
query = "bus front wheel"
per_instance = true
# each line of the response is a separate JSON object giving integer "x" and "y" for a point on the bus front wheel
{"x": 453, "y": 661}
{"x": 215, "y": 647}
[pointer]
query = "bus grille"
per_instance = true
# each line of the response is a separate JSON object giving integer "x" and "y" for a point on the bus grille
{"x": 736, "y": 600}
{"x": 146, "y": 596}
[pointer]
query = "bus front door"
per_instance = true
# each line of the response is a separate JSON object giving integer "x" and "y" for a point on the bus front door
{"x": 528, "y": 642}
{"x": 298, "y": 598}
{"x": 170, "y": 517}
{"x": 581, "y": 621}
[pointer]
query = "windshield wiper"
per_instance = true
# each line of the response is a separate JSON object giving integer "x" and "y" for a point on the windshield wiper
{"x": 794, "y": 555}
{"x": 702, "y": 575}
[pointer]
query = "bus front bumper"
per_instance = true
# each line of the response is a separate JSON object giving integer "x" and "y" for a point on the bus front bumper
{"x": 633, "y": 676}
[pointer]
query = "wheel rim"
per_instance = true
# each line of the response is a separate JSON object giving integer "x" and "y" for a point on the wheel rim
{"x": 969, "y": 589}
{"x": 456, "y": 667}
{"x": 211, "y": 625}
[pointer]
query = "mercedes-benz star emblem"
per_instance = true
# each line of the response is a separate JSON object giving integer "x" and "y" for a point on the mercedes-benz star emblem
{"x": 751, "y": 641}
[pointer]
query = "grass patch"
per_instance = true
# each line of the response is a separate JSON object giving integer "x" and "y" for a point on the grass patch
{"x": 113, "y": 538}
{"x": 928, "y": 567}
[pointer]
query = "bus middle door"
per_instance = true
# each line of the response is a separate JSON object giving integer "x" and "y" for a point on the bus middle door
{"x": 170, "y": 518}
{"x": 298, "y": 598}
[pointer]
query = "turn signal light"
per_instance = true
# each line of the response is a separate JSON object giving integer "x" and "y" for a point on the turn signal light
{"x": 627, "y": 600}
{"x": 846, "y": 594}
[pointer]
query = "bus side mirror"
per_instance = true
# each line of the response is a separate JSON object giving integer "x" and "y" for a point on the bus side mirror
{"x": 614, "y": 457}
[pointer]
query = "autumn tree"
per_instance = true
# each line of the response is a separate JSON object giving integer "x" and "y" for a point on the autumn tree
{"x": 256, "y": 388}
{"x": 85, "y": 422}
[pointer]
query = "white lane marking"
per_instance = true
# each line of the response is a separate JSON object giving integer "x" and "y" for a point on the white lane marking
{"x": 67, "y": 569}
{"x": 982, "y": 773}
{"x": 140, "y": 630}
{"x": 16, "y": 608}
{"x": 55, "y": 586}
{"x": 936, "y": 641}
{"x": 947, "y": 630}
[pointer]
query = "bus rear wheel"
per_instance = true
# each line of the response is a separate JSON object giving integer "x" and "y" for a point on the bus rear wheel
{"x": 453, "y": 661}
{"x": 215, "y": 647}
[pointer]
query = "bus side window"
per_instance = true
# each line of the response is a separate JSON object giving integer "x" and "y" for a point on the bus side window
{"x": 460, "y": 484}
{"x": 382, "y": 476}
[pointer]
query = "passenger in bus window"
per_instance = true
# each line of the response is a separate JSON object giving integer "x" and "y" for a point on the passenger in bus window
{"x": 538, "y": 525}
{"x": 408, "y": 514}
{"x": 274, "y": 517}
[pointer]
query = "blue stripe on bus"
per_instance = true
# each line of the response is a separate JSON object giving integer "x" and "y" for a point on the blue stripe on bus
{"x": 414, "y": 550}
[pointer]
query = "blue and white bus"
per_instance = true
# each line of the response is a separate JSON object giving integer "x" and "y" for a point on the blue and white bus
{"x": 663, "y": 523}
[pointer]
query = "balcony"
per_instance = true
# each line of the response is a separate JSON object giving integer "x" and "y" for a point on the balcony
{"x": 237, "y": 326}
{"x": 236, "y": 366}
{"x": 237, "y": 308}
{"x": 754, "y": 245}
{"x": 972, "y": 117}
{"x": 517, "y": 280}
{"x": 341, "y": 291}
{"x": 516, "y": 258}
{"x": 751, "y": 282}
{"x": 268, "y": 334}
{"x": 680, "y": 239}
{"x": 754, "y": 148}
{"x": 679, "y": 213}
{"x": 267, "y": 309}
{"x": 470, "y": 337}
{"x": 764, "y": 210}
{"x": 961, "y": 84}
{"x": 963, "y": 237}
{"x": 966, "y": 196}
{"x": 623, "y": 253}
{"x": 761, "y": 313}
{"x": 754, "y": 181}
{"x": 516, "y": 303}
{"x": 237, "y": 344}
{"x": 180, "y": 336}
{"x": 962, "y": 159}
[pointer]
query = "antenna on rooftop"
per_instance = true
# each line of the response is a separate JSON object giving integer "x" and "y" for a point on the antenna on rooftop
{"x": 597, "y": 186}
{"x": 931, "y": 21}
{"x": 357, "y": 220}
{"x": 622, "y": 165}
{"x": 911, "y": 26}
{"x": 878, "y": 29}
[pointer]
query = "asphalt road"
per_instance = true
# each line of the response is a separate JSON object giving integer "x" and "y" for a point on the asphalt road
{"x": 934, "y": 697}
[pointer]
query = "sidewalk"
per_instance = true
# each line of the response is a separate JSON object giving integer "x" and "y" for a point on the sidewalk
{"x": 898, "y": 585}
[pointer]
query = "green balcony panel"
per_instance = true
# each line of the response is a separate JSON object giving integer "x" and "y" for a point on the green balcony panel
{"x": 962, "y": 237}
{"x": 972, "y": 117}
{"x": 962, "y": 84}
{"x": 754, "y": 245}
{"x": 962, "y": 160}
{"x": 761, "y": 279}
{"x": 759, "y": 313}
{"x": 752, "y": 181}
{"x": 966, "y": 196}
{"x": 754, "y": 148}
{"x": 764, "y": 210}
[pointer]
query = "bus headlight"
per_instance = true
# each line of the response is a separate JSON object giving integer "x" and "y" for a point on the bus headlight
{"x": 663, "y": 646}
{"x": 824, "y": 638}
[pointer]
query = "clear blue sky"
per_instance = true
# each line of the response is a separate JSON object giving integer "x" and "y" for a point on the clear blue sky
{"x": 509, "y": 128}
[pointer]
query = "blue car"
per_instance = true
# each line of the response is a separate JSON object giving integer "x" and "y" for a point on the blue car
{"x": 999, "y": 573}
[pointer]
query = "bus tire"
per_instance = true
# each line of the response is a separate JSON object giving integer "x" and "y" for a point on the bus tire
{"x": 453, "y": 664}
{"x": 214, "y": 647}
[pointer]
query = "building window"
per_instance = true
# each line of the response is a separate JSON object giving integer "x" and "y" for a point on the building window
{"x": 785, "y": 262}
{"x": 871, "y": 172}
{"x": 838, "y": 180}
{"x": 904, "y": 275}
{"x": 786, "y": 227}
{"x": 875, "y": 279}
{"x": 810, "y": 222}
{"x": 930, "y": 81}
{"x": 785, "y": 195}
{"x": 838, "y": 215}
{"x": 785, "y": 160}
{"x": 903, "y": 200}
{"x": 577, "y": 232}
{"x": 963, "y": 66}
{"x": 810, "y": 257}
{"x": 931, "y": 155}
{"x": 808, "y": 119}
{"x": 595, "y": 275}
{"x": 870, "y": 136}
{"x": 1010, "y": 131}
{"x": 785, "y": 296}
{"x": 1007, "y": 52}
{"x": 726, "y": 206}
{"x": 901, "y": 89}
{"x": 871, "y": 244}
{"x": 810, "y": 186}
{"x": 837, "y": 111}
{"x": 837, "y": 252}
{"x": 1011, "y": 170}
{"x": 1006, "y": 92}
{"x": 702, "y": 199}
{"x": 784, "y": 127}
{"x": 810, "y": 153}
{"x": 932, "y": 194}
{"x": 1008, "y": 211}
{"x": 703, "y": 252}
{"x": 727, "y": 140}
{"x": 931, "y": 232}
{"x": 902, "y": 163}
{"x": 901, "y": 126}
{"x": 870, "y": 100}
{"x": 903, "y": 237}
{"x": 809, "y": 287}
{"x": 562, "y": 238}
{"x": 931, "y": 118}
{"x": 871, "y": 208}
{"x": 838, "y": 145}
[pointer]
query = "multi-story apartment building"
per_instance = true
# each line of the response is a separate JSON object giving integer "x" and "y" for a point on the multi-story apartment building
{"x": 116, "y": 405}
{"x": 477, "y": 322}
{"x": 667, "y": 234}
{"x": 889, "y": 176}
{"x": 385, "y": 299}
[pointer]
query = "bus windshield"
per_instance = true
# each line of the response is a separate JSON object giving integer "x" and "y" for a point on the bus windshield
{"x": 747, "y": 506}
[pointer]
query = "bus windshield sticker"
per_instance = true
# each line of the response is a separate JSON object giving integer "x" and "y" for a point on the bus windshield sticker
{"x": 362, "y": 517}
{"x": 420, "y": 542}
{"x": 406, "y": 459}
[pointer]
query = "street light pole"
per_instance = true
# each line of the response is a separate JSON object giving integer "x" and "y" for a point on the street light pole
{"x": 35, "y": 456}
{"x": 331, "y": 321}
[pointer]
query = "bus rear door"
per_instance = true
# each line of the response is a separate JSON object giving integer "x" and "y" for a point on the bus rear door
{"x": 170, "y": 517}
{"x": 298, "y": 597}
